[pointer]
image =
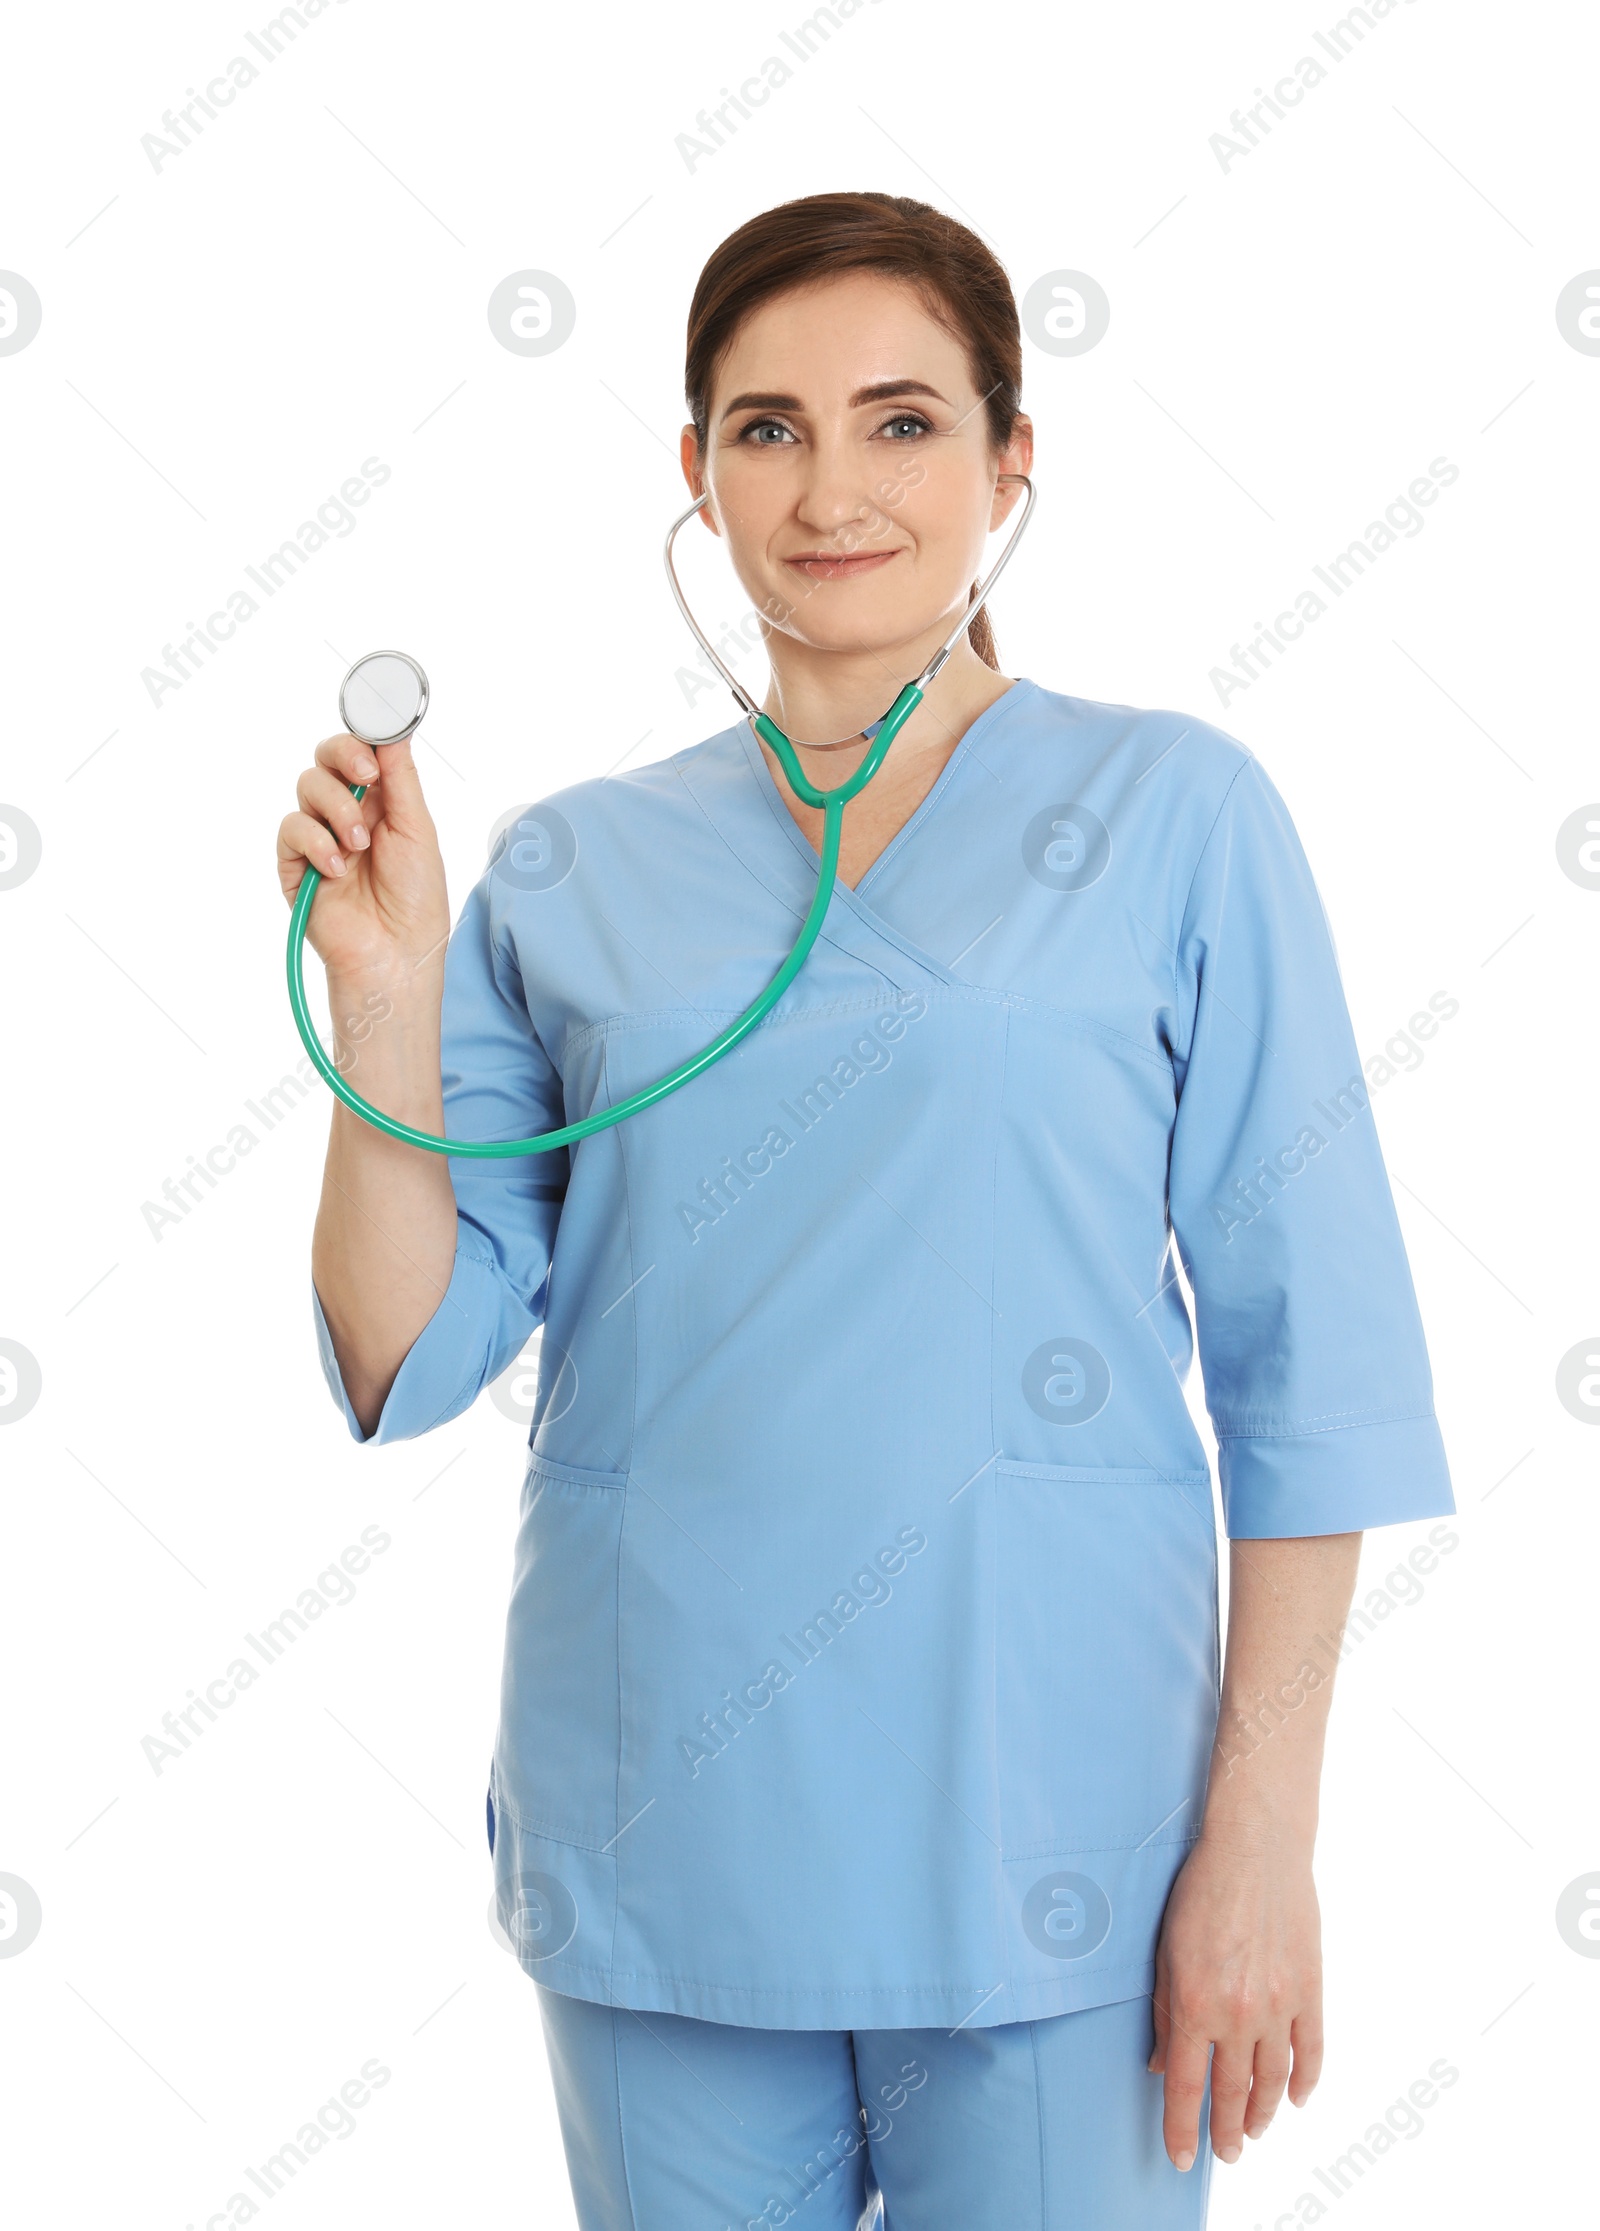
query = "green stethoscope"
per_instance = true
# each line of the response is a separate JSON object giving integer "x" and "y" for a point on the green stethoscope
{"x": 382, "y": 700}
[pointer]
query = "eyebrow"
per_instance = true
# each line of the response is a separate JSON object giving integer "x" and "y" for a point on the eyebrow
{"x": 882, "y": 391}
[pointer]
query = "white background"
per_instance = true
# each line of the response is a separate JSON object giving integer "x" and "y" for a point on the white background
{"x": 1292, "y": 341}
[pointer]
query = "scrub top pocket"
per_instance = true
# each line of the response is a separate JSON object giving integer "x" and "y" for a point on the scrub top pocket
{"x": 556, "y": 1754}
{"x": 1106, "y": 1665}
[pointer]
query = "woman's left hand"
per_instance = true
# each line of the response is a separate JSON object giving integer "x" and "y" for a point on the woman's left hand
{"x": 1238, "y": 1980}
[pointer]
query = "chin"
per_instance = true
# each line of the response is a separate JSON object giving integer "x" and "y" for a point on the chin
{"x": 855, "y": 623}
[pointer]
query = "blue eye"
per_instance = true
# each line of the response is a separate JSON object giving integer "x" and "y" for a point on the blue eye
{"x": 914, "y": 419}
{"x": 764, "y": 426}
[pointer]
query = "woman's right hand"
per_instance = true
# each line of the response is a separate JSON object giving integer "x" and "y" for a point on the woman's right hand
{"x": 382, "y": 911}
{"x": 386, "y": 1229}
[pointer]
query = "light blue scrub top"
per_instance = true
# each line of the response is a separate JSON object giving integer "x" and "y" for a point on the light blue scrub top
{"x": 861, "y": 1667}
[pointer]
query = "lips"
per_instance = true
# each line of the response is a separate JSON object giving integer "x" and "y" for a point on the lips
{"x": 819, "y": 567}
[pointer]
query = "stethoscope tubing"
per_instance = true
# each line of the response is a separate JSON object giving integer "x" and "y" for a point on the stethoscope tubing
{"x": 832, "y": 803}
{"x": 498, "y": 1149}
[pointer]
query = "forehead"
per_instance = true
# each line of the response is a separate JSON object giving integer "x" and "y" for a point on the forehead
{"x": 831, "y": 336}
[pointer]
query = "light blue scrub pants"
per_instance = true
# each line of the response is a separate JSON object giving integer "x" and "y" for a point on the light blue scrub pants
{"x": 674, "y": 2124}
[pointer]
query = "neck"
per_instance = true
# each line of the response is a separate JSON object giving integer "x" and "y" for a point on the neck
{"x": 826, "y": 698}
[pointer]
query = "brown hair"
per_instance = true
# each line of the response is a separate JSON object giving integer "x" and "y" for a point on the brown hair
{"x": 961, "y": 283}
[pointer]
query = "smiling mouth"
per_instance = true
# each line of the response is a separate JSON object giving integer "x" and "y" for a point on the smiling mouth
{"x": 818, "y": 566}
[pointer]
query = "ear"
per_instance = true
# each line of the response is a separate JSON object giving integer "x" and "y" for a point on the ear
{"x": 1016, "y": 457}
{"x": 689, "y": 458}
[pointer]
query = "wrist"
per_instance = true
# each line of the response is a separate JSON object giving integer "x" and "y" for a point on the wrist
{"x": 385, "y": 1036}
{"x": 410, "y": 991}
{"x": 1251, "y": 1842}
{"x": 1259, "y": 1821}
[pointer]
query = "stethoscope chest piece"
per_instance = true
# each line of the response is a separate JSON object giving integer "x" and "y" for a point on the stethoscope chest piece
{"x": 383, "y": 697}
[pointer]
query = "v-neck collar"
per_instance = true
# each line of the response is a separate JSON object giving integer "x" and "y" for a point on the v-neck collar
{"x": 731, "y": 783}
{"x": 757, "y": 759}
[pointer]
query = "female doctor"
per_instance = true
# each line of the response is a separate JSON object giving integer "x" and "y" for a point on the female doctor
{"x": 866, "y": 1804}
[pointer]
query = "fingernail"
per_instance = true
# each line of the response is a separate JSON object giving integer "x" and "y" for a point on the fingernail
{"x": 336, "y": 864}
{"x": 358, "y": 836}
{"x": 1186, "y": 2158}
{"x": 1229, "y": 2153}
{"x": 368, "y": 770}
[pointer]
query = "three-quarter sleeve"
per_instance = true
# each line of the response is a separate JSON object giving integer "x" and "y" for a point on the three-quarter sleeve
{"x": 499, "y": 1083}
{"x": 1316, "y": 1371}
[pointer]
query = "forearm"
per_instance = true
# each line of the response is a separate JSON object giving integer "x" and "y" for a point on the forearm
{"x": 1287, "y": 1604}
{"x": 384, "y": 1243}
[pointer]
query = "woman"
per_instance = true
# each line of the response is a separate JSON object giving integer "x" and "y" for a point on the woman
{"x": 861, "y": 1803}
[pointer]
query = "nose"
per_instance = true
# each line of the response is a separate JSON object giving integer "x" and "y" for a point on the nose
{"x": 834, "y": 501}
